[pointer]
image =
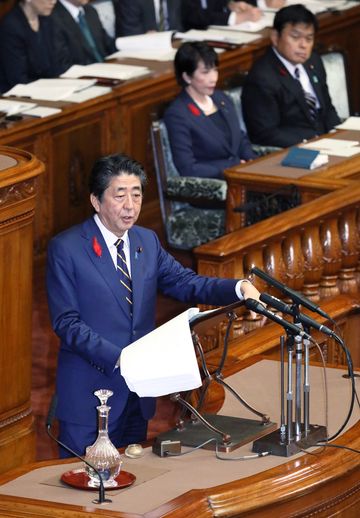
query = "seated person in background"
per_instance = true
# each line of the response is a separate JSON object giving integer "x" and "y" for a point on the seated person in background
{"x": 26, "y": 49}
{"x": 141, "y": 16}
{"x": 203, "y": 127}
{"x": 109, "y": 14}
{"x": 79, "y": 37}
{"x": 285, "y": 98}
{"x": 199, "y": 14}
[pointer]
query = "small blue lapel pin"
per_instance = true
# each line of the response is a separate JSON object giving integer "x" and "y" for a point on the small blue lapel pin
{"x": 138, "y": 251}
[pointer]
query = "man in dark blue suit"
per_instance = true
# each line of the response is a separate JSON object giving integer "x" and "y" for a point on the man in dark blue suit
{"x": 282, "y": 86}
{"x": 91, "y": 315}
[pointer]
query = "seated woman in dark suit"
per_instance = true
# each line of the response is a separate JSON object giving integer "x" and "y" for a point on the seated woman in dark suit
{"x": 26, "y": 43}
{"x": 203, "y": 127}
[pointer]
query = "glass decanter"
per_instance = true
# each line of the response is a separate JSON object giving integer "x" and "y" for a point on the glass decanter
{"x": 102, "y": 454}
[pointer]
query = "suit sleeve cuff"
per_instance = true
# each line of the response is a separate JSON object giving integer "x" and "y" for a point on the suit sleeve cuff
{"x": 238, "y": 290}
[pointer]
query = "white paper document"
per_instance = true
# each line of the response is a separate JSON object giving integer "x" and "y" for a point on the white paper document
{"x": 319, "y": 6}
{"x": 89, "y": 93}
{"x": 163, "y": 361}
{"x": 41, "y": 111}
{"x": 108, "y": 70}
{"x": 225, "y": 36}
{"x": 266, "y": 20}
{"x": 50, "y": 89}
{"x": 335, "y": 147}
{"x": 13, "y": 107}
{"x": 154, "y": 43}
{"x": 351, "y": 123}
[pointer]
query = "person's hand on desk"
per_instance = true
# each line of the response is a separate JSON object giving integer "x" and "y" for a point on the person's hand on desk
{"x": 276, "y": 4}
{"x": 244, "y": 12}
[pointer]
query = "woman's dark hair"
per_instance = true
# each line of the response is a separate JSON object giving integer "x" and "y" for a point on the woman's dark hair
{"x": 188, "y": 57}
{"x": 107, "y": 167}
{"x": 293, "y": 15}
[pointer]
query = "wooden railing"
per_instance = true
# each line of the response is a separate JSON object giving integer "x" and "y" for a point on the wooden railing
{"x": 313, "y": 248}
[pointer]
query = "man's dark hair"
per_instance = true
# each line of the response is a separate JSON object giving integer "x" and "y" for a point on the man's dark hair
{"x": 188, "y": 57}
{"x": 293, "y": 15}
{"x": 107, "y": 167}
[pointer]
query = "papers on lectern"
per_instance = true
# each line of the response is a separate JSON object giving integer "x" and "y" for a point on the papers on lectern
{"x": 163, "y": 361}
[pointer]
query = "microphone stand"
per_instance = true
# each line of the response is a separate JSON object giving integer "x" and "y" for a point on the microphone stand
{"x": 293, "y": 435}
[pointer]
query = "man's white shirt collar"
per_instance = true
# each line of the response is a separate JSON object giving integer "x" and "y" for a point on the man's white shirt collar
{"x": 73, "y": 9}
{"x": 110, "y": 239}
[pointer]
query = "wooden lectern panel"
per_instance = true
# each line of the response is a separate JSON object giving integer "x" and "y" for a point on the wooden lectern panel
{"x": 18, "y": 186}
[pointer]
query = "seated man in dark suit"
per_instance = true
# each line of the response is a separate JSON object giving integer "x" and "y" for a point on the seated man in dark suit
{"x": 285, "y": 98}
{"x": 141, "y": 16}
{"x": 79, "y": 37}
{"x": 199, "y": 14}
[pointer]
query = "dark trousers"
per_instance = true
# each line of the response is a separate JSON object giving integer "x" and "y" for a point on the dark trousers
{"x": 130, "y": 428}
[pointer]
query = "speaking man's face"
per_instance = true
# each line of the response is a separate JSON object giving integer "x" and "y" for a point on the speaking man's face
{"x": 295, "y": 42}
{"x": 120, "y": 204}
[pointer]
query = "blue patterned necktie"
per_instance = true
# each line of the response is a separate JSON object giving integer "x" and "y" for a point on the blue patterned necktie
{"x": 162, "y": 21}
{"x": 123, "y": 272}
{"x": 85, "y": 29}
{"x": 309, "y": 97}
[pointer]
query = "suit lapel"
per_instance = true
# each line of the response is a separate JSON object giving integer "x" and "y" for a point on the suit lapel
{"x": 292, "y": 85}
{"x": 230, "y": 118}
{"x": 102, "y": 260}
{"x": 311, "y": 72}
{"x": 73, "y": 26}
{"x": 204, "y": 123}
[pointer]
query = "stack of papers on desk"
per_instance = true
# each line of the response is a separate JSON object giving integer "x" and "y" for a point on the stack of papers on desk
{"x": 319, "y": 6}
{"x": 50, "y": 89}
{"x": 107, "y": 70}
{"x": 352, "y": 123}
{"x": 155, "y": 46}
{"x": 14, "y": 107}
{"x": 221, "y": 35}
{"x": 89, "y": 93}
{"x": 266, "y": 20}
{"x": 335, "y": 147}
{"x": 164, "y": 361}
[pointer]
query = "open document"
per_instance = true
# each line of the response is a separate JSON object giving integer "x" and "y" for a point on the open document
{"x": 335, "y": 147}
{"x": 106, "y": 70}
{"x": 351, "y": 123}
{"x": 50, "y": 89}
{"x": 153, "y": 46}
{"x": 223, "y": 36}
{"x": 266, "y": 20}
{"x": 163, "y": 361}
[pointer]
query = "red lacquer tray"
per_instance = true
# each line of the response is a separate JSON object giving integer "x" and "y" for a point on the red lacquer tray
{"x": 79, "y": 479}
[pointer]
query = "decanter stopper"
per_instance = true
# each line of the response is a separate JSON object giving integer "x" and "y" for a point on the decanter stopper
{"x": 102, "y": 454}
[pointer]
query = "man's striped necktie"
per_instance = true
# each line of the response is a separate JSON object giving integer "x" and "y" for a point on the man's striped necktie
{"x": 123, "y": 272}
{"x": 309, "y": 97}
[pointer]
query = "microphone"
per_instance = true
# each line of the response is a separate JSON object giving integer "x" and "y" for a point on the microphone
{"x": 49, "y": 422}
{"x": 256, "y": 306}
{"x": 291, "y": 310}
{"x": 297, "y": 297}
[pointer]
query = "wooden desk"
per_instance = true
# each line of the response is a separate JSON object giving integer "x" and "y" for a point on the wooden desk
{"x": 199, "y": 485}
{"x": 267, "y": 175}
{"x": 68, "y": 143}
{"x": 19, "y": 172}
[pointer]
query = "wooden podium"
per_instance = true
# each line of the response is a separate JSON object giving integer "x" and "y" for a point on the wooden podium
{"x": 18, "y": 186}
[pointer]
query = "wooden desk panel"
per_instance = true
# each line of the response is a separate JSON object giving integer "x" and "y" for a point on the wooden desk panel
{"x": 267, "y": 175}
